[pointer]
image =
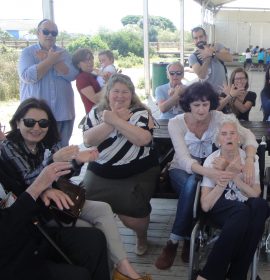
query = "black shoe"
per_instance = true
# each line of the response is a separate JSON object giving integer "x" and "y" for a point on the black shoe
{"x": 185, "y": 251}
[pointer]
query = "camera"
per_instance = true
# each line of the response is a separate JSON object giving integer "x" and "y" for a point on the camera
{"x": 201, "y": 44}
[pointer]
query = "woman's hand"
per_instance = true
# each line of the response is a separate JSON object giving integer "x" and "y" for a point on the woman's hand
{"x": 110, "y": 117}
{"x": 87, "y": 155}
{"x": 220, "y": 163}
{"x": 218, "y": 175}
{"x": 249, "y": 171}
{"x": 61, "y": 199}
{"x": 66, "y": 154}
{"x": 47, "y": 176}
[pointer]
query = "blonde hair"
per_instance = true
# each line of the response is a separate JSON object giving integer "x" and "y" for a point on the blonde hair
{"x": 123, "y": 79}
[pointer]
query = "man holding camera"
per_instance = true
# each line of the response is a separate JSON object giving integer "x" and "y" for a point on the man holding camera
{"x": 208, "y": 60}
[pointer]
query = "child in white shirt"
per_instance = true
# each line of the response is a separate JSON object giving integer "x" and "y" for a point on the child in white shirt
{"x": 106, "y": 59}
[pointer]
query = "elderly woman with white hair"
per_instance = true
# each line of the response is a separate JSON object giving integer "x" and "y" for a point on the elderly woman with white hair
{"x": 234, "y": 206}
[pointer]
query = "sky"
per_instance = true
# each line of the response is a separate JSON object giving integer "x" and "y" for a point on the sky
{"x": 81, "y": 16}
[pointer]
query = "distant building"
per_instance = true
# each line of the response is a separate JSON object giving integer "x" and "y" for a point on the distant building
{"x": 19, "y": 28}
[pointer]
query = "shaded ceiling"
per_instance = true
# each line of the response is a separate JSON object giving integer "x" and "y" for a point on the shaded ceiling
{"x": 213, "y": 4}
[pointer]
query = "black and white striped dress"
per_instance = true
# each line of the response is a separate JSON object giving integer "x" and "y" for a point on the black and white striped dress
{"x": 119, "y": 158}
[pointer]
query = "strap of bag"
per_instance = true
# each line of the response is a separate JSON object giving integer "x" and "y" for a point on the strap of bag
{"x": 45, "y": 234}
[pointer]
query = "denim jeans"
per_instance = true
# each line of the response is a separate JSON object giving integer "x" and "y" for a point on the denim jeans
{"x": 185, "y": 186}
{"x": 65, "y": 129}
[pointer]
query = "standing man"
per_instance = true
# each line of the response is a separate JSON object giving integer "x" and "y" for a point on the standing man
{"x": 168, "y": 95}
{"x": 208, "y": 60}
{"x": 46, "y": 72}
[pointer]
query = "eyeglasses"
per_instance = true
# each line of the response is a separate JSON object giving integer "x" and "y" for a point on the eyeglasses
{"x": 178, "y": 73}
{"x": 46, "y": 32}
{"x": 43, "y": 123}
{"x": 240, "y": 79}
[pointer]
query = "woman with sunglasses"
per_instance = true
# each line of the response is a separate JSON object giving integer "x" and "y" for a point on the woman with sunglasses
{"x": 30, "y": 146}
{"x": 167, "y": 95}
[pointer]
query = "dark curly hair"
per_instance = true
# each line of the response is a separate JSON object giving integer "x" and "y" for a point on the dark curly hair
{"x": 52, "y": 136}
{"x": 202, "y": 91}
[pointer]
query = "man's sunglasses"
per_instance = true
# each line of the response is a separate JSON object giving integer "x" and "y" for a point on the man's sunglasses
{"x": 46, "y": 32}
{"x": 178, "y": 73}
{"x": 43, "y": 123}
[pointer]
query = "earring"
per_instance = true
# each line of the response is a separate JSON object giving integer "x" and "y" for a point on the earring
{"x": 219, "y": 145}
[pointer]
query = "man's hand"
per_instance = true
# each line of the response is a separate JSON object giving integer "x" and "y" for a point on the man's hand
{"x": 61, "y": 68}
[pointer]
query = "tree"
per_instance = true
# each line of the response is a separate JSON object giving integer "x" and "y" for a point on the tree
{"x": 156, "y": 21}
{"x": 4, "y": 35}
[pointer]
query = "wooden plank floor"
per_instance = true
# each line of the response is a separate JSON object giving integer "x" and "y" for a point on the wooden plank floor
{"x": 162, "y": 218}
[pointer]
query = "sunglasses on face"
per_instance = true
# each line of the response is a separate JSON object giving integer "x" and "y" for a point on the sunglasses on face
{"x": 178, "y": 73}
{"x": 46, "y": 32}
{"x": 43, "y": 123}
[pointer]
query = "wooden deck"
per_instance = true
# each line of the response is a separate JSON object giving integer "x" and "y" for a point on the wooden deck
{"x": 162, "y": 218}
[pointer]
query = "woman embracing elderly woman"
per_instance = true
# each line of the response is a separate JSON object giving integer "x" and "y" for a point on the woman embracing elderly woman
{"x": 234, "y": 206}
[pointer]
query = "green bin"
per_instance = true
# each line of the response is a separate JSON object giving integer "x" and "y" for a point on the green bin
{"x": 159, "y": 75}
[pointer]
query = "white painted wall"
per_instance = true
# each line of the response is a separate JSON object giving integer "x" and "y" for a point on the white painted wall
{"x": 239, "y": 29}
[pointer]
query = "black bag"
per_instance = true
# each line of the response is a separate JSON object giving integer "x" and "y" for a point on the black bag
{"x": 77, "y": 195}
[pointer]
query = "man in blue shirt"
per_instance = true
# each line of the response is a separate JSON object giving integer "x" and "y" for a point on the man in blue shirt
{"x": 46, "y": 72}
{"x": 168, "y": 95}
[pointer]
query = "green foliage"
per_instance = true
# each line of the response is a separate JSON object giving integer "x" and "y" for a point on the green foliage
{"x": 9, "y": 80}
{"x": 95, "y": 43}
{"x": 125, "y": 42}
{"x": 141, "y": 83}
{"x": 81, "y": 42}
{"x": 4, "y": 35}
{"x": 168, "y": 36}
{"x": 154, "y": 21}
{"x": 129, "y": 61}
{"x": 131, "y": 19}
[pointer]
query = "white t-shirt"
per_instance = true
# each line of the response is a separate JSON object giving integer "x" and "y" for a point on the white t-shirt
{"x": 231, "y": 192}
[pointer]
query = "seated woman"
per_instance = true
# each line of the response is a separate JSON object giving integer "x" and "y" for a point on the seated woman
{"x": 86, "y": 82}
{"x": 192, "y": 135}
{"x": 30, "y": 146}
{"x": 233, "y": 205}
{"x": 168, "y": 95}
{"x": 26, "y": 254}
{"x": 236, "y": 97}
{"x": 265, "y": 95}
{"x": 126, "y": 172}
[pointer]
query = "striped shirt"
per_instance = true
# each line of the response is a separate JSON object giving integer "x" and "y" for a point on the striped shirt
{"x": 118, "y": 157}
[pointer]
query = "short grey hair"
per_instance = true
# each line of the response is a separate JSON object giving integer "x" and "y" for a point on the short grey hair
{"x": 174, "y": 63}
{"x": 228, "y": 119}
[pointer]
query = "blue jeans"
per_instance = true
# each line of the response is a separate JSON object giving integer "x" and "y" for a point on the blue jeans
{"x": 65, "y": 129}
{"x": 185, "y": 186}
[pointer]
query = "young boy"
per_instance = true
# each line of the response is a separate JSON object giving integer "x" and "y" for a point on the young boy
{"x": 107, "y": 68}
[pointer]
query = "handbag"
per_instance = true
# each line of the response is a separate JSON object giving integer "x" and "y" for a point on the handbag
{"x": 77, "y": 195}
